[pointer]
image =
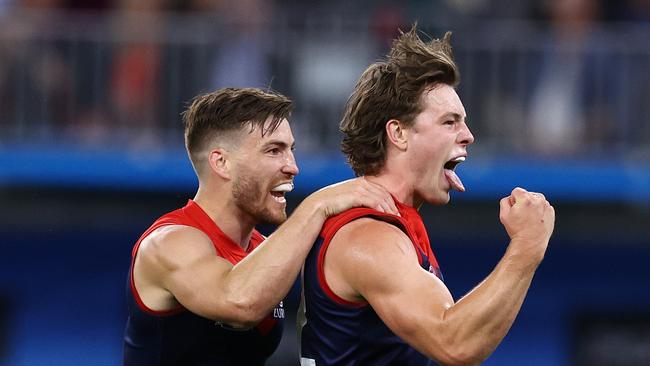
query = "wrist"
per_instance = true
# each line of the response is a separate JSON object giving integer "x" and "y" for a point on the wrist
{"x": 524, "y": 256}
{"x": 312, "y": 208}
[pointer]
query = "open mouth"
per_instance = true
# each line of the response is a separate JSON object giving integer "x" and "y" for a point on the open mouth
{"x": 280, "y": 190}
{"x": 450, "y": 174}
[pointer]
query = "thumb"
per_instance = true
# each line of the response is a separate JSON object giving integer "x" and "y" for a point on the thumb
{"x": 511, "y": 200}
{"x": 505, "y": 205}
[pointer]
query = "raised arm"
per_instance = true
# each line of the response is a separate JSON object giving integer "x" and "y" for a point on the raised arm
{"x": 178, "y": 264}
{"x": 364, "y": 257}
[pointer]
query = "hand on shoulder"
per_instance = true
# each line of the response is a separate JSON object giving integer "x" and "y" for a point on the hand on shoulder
{"x": 357, "y": 192}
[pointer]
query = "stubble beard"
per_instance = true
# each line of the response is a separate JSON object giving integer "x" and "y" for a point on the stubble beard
{"x": 250, "y": 197}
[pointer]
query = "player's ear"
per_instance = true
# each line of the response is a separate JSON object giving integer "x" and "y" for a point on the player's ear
{"x": 218, "y": 160}
{"x": 396, "y": 134}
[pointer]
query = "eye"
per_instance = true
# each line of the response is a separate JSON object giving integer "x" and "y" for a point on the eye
{"x": 274, "y": 151}
{"x": 449, "y": 123}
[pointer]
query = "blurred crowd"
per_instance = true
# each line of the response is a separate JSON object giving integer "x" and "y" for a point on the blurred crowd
{"x": 571, "y": 78}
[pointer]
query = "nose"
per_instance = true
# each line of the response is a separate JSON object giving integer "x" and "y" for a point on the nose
{"x": 290, "y": 166}
{"x": 465, "y": 135}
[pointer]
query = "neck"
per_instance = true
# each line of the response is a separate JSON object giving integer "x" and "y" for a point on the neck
{"x": 218, "y": 204}
{"x": 396, "y": 185}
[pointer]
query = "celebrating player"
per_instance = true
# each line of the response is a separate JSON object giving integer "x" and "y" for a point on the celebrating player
{"x": 373, "y": 291}
{"x": 203, "y": 282}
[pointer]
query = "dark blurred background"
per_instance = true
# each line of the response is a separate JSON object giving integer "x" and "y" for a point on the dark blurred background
{"x": 91, "y": 152}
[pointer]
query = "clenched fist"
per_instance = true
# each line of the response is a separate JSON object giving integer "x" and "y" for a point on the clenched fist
{"x": 529, "y": 220}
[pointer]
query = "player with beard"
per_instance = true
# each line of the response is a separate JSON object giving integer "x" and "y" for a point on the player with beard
{"x": 205, "y": 288}
{"x": 373, "y": 290}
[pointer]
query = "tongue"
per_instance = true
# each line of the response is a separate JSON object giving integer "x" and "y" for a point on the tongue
{"x": 454, "y": 181}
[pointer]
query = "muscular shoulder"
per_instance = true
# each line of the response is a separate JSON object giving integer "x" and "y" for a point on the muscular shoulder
{"x": 372, "y": 235}
{"x": 173, "y": 245}
{"x": 369, "y": 243}
{"x": 363, "y": 254}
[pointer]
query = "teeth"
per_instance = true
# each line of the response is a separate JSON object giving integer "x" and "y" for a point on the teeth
{"x": 459, "y": 159}
{"x": 285, "y": 187}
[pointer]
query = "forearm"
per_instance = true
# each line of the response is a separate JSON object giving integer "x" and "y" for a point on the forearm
{"x": 482, "y": 318}
{"x": 263, "y": 278}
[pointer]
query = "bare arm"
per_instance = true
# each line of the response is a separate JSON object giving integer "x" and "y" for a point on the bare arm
{"x": 365, "y": 256}
{"x": 179, "y": 265}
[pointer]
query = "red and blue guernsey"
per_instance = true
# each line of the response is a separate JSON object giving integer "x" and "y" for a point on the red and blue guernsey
{"x": 343, "y": 333}
{"x": 179, "y": 337}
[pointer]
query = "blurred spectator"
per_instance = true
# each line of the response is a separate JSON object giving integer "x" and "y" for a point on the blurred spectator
{"x": 637, "y": 68}
{"x": 71, "y": 68}
{"x": 35, "y": 81}
{"x": 242, "y": 59}
{"x": 565, "y": 108}
{"x": 386, "y": 22}
{"x": 135, "y": 75}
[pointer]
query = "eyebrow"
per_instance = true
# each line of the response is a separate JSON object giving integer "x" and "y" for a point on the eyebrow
{"x": 454, "y": 116}
{"x": 278, "y": 143}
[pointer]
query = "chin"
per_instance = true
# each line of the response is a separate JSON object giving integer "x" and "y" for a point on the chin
{"x": 440, "y": 199}
{"x": 275, "y": 218}
{"x": 280, "y": 219}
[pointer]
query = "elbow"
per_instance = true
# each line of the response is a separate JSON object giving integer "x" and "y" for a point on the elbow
{"x": 457, "y": 357}
{"x": 454, "y": 352}
{"x": 244, "y": 313}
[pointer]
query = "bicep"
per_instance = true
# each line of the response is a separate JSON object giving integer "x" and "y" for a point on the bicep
{"x": 184, "y": 262}
{"x": 408, "y": 299}
{"x": 411, "y": 301}
{"x": 197, "y": 283}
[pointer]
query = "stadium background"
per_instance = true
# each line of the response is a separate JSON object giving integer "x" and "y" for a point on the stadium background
{"x": 557, "y": 94}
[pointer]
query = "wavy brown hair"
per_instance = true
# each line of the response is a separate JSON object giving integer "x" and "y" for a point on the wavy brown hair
{"x": 392, "y": 89}
{"x": 215, "y": 114}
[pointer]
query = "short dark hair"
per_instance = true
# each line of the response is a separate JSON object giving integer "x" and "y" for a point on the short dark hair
{"x": 231, "y": 109}
{"x": 392, "y": 89}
